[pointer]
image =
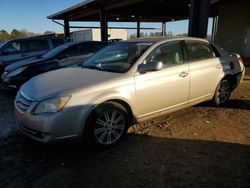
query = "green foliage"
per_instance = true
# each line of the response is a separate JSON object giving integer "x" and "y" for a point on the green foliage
{"x": 151, "y": 34}
{"x": 4, "y": 35}
{"x": 17, "y": 34}
{"x": 48, "y": 32}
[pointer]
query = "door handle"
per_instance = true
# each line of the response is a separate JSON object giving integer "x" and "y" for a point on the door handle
{"x": 218, "y": 66}
{"x": 183, "y": 74}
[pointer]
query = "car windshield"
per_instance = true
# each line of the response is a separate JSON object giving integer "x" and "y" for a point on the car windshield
{"x": 118, "y": 57}
{"x": 52, "y": 53}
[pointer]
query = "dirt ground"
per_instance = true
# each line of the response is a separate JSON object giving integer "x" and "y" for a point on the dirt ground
{"x": 201, "y": 146}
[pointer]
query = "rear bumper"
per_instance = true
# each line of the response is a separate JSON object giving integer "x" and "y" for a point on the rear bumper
{"x": 239, "y": 78}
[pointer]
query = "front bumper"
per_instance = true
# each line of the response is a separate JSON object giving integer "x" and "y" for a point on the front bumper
{"x": 53, "y": 127}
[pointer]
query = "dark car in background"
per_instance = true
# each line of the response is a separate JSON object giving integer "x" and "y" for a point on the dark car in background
{"x": 18, "y": 49}
{"x": 65, "y": 55}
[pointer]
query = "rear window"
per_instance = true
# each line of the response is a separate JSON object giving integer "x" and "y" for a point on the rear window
{"x": 37, "y": 45}
{"x": 197, "y": 50}
{"x": 57, "y": 42}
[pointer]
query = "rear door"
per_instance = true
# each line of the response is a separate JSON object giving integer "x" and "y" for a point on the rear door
{"x": 205, "y": 69}
{"x": 162, "y": 90}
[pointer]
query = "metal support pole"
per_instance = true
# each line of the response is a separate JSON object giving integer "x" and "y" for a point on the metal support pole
{"x": 163, "y": 28}
{"x": 66, "y": 29}
{"x": 214, "y": 29}
{"x": 104, "y": 25}
{"x": 138, "y": 29}
{"x": 198, "y": 18}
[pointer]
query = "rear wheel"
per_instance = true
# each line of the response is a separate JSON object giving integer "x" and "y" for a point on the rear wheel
{"x": 222, "y": 92}
{"x": 107, "y": 125}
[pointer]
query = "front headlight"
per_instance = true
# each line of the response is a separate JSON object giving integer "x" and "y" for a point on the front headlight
{"x": 51, "y": 105}
{"x": 16, "y": 71}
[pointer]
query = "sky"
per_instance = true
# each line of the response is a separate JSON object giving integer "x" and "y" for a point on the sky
{"x": 31, "y": 15}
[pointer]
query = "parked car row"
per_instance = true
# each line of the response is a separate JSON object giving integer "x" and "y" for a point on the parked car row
{"x": 124, "y": 82}
{"x": 62, "y": 56}
{"x": 15, "y": 50}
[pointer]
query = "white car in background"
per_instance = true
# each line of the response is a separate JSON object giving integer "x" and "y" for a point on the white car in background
{"x": 125, "y": 82}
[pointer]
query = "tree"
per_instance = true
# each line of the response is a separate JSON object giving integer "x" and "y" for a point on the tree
{"x": 15, "y": 34}
{"x": 4, "y": 35}
{"x": 48, "y": 32}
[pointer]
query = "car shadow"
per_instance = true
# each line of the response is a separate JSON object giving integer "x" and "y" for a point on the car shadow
{"x": 240, "y": 104}
{"x": 139, "y": 161}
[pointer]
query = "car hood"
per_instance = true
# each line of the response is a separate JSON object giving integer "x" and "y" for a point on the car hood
{"x": 23, "y": 62}
{"x": 65, "y": 81}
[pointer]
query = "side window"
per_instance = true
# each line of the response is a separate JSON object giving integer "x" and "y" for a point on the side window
{"x": 75, "y": 50}
{"x": 37, "y": 45}
{"x": 92, "y": 47}
{"x": 57, "y": 42}
{"x": 82, "y": 49}
{"x": 199, "y": 51}
{"x": 97, "y": 46}
{"x": 15, "y": 47}
{"x": 169, "y": 54}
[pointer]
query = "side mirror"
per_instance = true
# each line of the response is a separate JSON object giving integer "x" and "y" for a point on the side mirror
{"x": 150, "y": 66}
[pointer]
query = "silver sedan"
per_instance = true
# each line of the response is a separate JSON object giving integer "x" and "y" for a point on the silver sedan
{"x": 126, "y": 82}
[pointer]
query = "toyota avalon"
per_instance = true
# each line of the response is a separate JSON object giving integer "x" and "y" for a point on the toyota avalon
{"x": 125, "y": 82}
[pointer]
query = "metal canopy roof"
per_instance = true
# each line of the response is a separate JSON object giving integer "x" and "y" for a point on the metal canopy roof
{"x": 128, "y": 10}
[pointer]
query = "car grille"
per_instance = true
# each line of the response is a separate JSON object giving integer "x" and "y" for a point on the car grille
{"x": 22, "y": 102}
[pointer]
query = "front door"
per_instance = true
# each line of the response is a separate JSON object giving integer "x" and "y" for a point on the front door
{"x": 165, "y": 89}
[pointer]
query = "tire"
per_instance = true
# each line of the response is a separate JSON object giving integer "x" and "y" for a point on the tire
{"x": 222, "y": 92}
{"x": 107, "y": 125}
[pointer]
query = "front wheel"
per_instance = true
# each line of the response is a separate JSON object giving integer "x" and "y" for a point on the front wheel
{"x": 107, "y": 125}
{"x": 222, "y": 92}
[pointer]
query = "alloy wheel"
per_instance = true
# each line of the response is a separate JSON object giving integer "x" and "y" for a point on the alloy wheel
{"x": 109, "y": 127}
{"x": 224, "y": 91}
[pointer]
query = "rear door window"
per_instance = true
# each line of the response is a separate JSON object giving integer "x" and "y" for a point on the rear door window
{"x": 36, "y": 45}
{"x": 197, "y": 50}
{"x": 57, "y": 42}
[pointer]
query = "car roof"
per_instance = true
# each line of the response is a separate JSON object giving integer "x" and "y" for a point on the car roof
{"x": 160, "y": 38}
{"x": 82, "y": 42}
